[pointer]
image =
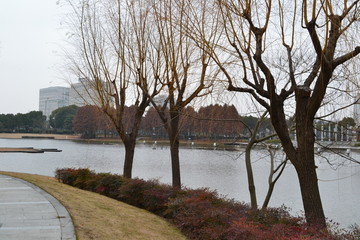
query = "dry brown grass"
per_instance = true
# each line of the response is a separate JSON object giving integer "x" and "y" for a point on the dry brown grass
{"x": 99, "y": 217}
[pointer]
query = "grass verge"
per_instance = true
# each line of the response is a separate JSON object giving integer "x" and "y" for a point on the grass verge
{"x": 99, "y": 217}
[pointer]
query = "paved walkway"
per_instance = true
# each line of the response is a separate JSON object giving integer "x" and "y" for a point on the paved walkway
{"x": 27, "y": 212}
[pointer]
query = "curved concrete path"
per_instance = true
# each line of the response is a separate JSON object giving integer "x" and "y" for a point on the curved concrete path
{"x": 28, "y": 212}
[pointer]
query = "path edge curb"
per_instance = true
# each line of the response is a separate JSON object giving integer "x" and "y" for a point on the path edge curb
{"x": 66, "y": 223}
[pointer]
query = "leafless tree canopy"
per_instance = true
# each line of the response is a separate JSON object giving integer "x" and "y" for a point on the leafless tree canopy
{"x": 114, "y": 58}
{"x": 283, "y": 52}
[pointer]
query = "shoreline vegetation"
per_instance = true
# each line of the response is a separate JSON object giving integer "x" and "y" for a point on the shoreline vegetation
{"x": 98, "y": 217}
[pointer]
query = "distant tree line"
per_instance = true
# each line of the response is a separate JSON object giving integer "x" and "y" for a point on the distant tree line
{"x": 213, "y": 121}
{"x": 33, "y": 121}
{"x": 60, "y": 121}
{"x": 210, "y": 122}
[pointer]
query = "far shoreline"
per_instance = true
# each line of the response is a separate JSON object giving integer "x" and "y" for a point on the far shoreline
{"x": 39, "y": 135}
{"x": 198, "y": 144}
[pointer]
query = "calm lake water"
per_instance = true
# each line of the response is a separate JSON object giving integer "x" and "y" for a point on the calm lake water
{"x": 220, "y": 170}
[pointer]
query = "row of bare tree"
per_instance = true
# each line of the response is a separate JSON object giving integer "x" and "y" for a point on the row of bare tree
{"x": 287, "y": 55}
{"x": 213, "y": 121}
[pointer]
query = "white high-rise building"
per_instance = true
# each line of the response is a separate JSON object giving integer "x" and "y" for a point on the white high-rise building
{"x": 79, "y": 94}
{"x": 82, "y": 93}
{"x": 53, "y": 98}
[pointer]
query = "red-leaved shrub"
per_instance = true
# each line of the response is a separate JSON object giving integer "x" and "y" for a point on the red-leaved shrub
{"x": 243, "y": 229}
{"x": 109, "y": 184}
{"x": 202, "y": 214}
{"x": 66, "y": 175}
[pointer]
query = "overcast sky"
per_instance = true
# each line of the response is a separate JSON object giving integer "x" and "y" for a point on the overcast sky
{"x": 31, "y": 39}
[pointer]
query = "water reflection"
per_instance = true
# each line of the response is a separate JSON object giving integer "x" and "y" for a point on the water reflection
{"x": 220, "y": 170}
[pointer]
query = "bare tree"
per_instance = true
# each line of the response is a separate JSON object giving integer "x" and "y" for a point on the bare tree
{"x": 181, "y": 67}
{"x": 274, "y": 174}
{"x": 283, "y": 52}
{"x": 112, "y": 43}
{"x": 275, "y": 171}
{"x": 250, "y": 175}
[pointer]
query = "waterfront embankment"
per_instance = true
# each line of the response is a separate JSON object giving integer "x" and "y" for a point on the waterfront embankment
{"x": 38, "y": 136}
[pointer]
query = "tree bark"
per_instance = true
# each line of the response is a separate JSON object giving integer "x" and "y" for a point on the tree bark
{"x": 306, "y": 171}
{"x": 305, "y": 160}
{"x": 268, "y": 195}
{"x": 302, "y": 156}
{"x": 175, "y": 163}
{"x": 174, "y": 149}
{"x": 270, "y": 181}
{"x": 129, "y": 157}
{"x": 250, "y": 176}
{"x": 313, "y": 208}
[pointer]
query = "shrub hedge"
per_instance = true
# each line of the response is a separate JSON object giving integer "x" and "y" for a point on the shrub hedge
{"x": 199, "y": 213}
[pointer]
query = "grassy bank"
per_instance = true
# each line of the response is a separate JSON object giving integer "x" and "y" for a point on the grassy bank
{"x": 99, "y": 217}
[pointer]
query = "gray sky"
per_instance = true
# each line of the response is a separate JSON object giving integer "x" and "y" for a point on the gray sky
{"x": 30, "y": 52}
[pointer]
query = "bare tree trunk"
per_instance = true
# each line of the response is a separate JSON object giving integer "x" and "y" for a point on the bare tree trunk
{"x": 268, "y": 195}
{"x": 250, "y": 175}
{"x": 174, "y": 149}
{"x": 271, "y": 180}
{"x": 305, "y": 161}
{"x": 175, "y": 162}
{"x": 302, "y": 157}
{"x": 129, "y": 157}
{"x": 249, "y": 171}
{"x": 307, "y": 175}
{"x": 314, "y": 212}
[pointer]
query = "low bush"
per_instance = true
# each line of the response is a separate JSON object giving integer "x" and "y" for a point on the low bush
{"x": 199, "y": 213}
{"x": 156, "y": 198}
{"x": 108, "y": 184}
{"x": 85, "y": 179}
{"x": 271, "y": 216}
{"x": 242, "y": 229}
{"x": 81, "y": 178}
{"x": 355, "y": 231}
{"x": 202, "y": 214}
{"x": 132, "y": 192}
{"x": 67, "y": 175}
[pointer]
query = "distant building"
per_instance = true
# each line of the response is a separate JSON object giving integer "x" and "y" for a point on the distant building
{"x": 53, "y": 98}
{"x": 357, "y": 113}
{"x": 82, "y": 93}
{"x": 79, "y": 94}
